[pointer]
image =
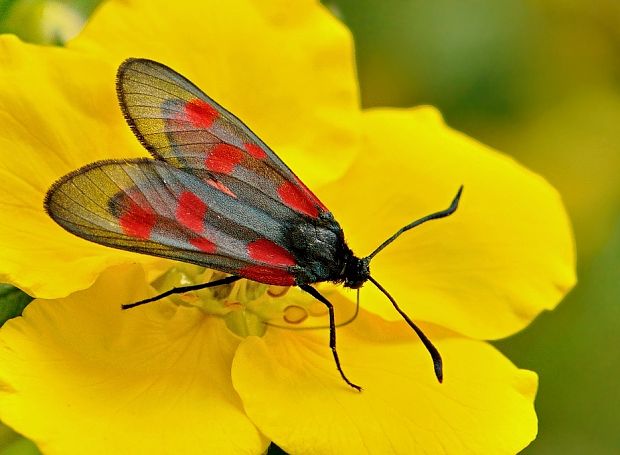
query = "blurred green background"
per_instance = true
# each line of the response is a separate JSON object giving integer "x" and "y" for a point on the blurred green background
{"x": 537, "y": 79}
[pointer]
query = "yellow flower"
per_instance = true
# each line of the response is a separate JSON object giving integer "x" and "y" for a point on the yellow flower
{"x": 187, "y": 375}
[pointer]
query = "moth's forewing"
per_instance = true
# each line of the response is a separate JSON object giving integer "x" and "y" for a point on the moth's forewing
{"x": 180, "y": 124}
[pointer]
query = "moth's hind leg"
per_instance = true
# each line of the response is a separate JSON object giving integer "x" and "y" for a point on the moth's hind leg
{"x": 332, "y": 330}
{"x": 182, "y": 290}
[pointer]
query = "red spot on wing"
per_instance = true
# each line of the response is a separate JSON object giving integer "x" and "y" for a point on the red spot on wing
{"x": 255, "y": 150}
{"x": 220, "y": 186}
{"x": 137, "y": 221}
{"x": 223, "y": 158}
{"x": 191, "y": 211}
{"x": 204, "y": 245}
{"x": 266, "y": 251}
{"x": 200, "y": 113}
{"x": 310, "y": 194}
{"x": 267, "y": 275}
{"x": 294, "y": 197}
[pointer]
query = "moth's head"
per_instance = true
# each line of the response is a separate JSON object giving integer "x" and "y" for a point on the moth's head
{"x": 356, "y": 272}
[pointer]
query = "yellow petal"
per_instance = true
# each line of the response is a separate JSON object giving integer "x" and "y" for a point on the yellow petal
{"x": 285, "y": 68}
{"x": 291, "y": 390}
{"x": 486, "y": 271}
{"x": 58, "y": 112}
{"x": 79, "y": 372}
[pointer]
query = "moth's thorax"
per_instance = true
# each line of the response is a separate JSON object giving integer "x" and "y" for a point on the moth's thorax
{"x": 319, "y": 249}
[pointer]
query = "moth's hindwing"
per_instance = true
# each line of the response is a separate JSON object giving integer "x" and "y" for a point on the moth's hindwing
{"x": 148, "y": 206}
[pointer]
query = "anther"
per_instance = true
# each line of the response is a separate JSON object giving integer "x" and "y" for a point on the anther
{"x": 294, "y": 314}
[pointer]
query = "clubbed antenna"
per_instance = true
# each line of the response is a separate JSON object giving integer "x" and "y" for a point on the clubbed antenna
{"x": 433, "y": 216}
{"x": 430, "y": 347}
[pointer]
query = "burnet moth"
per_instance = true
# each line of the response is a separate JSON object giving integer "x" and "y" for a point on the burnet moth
{"x": 214, "y": 195}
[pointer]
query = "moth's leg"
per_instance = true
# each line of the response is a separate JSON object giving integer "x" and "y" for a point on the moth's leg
{"x": 182, "y": 290}
{"x": 332, "y": 329}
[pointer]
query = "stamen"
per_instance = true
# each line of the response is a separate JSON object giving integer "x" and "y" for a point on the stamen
{"x": 233, "y": 306}
{"x": 317, "y": 309}
{"x": 189, "y": 298}
{"x": 294, "y": 314}
{"x": 277, "y": 291}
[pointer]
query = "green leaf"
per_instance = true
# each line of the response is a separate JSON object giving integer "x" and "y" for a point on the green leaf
{"x": 21, "y": 446}
{"x": 5, "y": 6}
{"x": 12, "y": 302}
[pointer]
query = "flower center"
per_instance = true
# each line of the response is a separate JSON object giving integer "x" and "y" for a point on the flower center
{"x": 247, "y": 307}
